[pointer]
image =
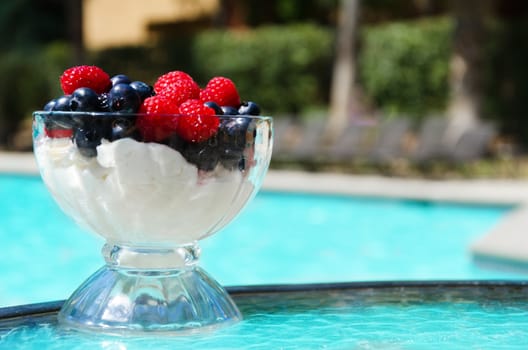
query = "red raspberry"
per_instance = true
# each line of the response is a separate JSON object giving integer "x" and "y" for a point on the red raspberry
{"x": 180, "y": 91}
{"x": 197, "y": 122}
{"x": 222, "y": 91}
{"x": 91, "y": 77}
{"x": 58, "y": 133}
{"x": 169, "y": 79}
{"x": 158, "y": 119}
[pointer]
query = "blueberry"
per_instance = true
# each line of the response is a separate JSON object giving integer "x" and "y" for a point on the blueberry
{"x": 215, "y": 106}
{"x": 202, "y": 154}
{"x": 232, "y": 159}
{"x": 87, "y": 140}
{"x": 49, "y": 106}
{"x": 104, "y": 104}
{"x": 123, "y": 98}
{"x": 62, "y": 103}
{"x": 233, "y": 131}
{"x": 144, "y": 90}
{"x": 177, "y": 143}
{"x": 58, "y": 121}
{"x": 249, "y": 108}
{"x": 119, "y": 79}
{"x": 90, "y": 130}
{"x": 205, "y": 155}
{"x": 228, "y": 110}
{"x": 123, "y": 127}
{"x": 232, "y": 135}
{"x": 84, "y": 100}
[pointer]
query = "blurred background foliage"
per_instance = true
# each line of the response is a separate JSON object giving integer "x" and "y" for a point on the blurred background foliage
{"x": 282, "y": 57}
{"x": 286, "y": 68}
{"x": 506, "y": 77}
{"x": 404, "y": 66}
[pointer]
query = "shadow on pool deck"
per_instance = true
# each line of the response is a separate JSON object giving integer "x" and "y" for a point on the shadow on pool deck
{"x": 505, "y": 243}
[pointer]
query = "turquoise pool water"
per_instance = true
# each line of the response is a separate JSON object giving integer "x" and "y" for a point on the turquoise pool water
{"x": 397, "y": 317}
{"x": 279, "y": 238}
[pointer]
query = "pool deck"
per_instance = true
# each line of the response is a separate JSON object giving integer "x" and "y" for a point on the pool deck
{"x": 506, "y": 242}
{"x": 18, "y": 163}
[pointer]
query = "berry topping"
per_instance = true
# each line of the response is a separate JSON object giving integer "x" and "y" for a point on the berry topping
{"x": 249, "y": 108}
{"x": 87, "y": 139}
{"x": 104, "y": 102}
{"x": 181, "y": 90}
{"x": 157, "y": 120}
{"x": 222, "y": 91}
{"x": 204, "y": 155}
{"x": 168, "y": 79}
{"x": 200, "y": 124}
{"x": 123, "y": 127}
{"x": 227, "y": 110}
{"x": 218, "y": 110}
{"x": 143, "y": 89}
{"x": 58, "y": 133}
{"x": 197, "y": 122}
{"x": 158, "y": 104}
{"x": 91, "y": 77}
{"x": 120, "y": 79}
{"x": 50, "y": 105}
{"x": 123, "y": 98}
{"x": 62, "y": 103}
{"x": 232, "y": 135}
{"x": 84, "y": 99}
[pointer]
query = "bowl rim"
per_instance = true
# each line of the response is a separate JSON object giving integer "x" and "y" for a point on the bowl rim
{"x": 130, "y": 115}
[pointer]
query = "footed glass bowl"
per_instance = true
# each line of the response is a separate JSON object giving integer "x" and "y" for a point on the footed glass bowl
{"x": 152, "y": 195}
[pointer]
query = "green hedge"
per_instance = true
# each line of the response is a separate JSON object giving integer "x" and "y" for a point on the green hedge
{"x": 29, "y": 80}
{"x": 284, "y": 68}
{"x": 403, "y": 67}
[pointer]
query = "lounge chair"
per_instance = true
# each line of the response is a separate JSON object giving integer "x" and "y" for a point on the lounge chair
{"x": 309, "y": 143}
{"x": 282, "y": 136}
{"x": 473, "y": 143}
{"x": 431, "y": 143}
{"x": 352, "y": 143}
{"x": 389, "y": 143}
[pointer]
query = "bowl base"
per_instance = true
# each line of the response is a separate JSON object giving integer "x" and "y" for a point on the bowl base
{"x": 124, "y": 301}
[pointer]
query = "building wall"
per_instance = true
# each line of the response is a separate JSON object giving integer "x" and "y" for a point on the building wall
{"x": 108, "y": 23}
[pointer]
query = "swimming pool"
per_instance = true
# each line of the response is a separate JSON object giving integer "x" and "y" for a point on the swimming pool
{"x": 357, "y": 315}
{"x": 279, "y": 238}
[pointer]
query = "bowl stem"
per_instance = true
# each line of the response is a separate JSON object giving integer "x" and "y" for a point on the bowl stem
{"x": 133, "y": 293}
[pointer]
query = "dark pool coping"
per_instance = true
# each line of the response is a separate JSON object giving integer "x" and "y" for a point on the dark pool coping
{"x": 51, "y": 307}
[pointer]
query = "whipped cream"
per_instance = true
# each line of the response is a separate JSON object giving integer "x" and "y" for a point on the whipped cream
{"x": 141, "y": 194}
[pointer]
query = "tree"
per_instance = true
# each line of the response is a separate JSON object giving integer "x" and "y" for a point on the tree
{"x": 73, "y": 9}
{"x": 467, "y": 88}
{"x": 342, "y": 93}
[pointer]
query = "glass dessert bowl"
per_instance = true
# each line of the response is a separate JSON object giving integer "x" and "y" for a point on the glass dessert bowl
{"x": 152, "y": 201}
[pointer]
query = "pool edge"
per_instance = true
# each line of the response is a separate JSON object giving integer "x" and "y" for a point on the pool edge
{"x": 18, "y": 311}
